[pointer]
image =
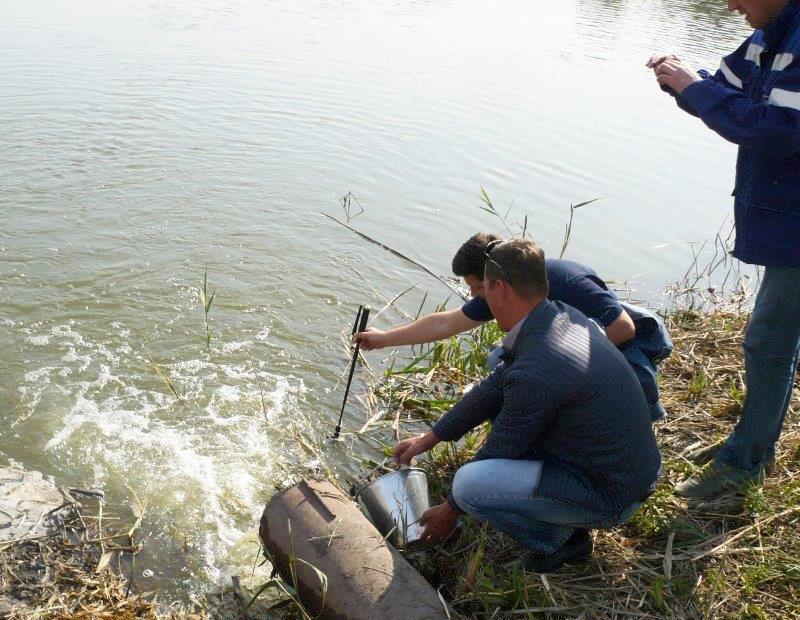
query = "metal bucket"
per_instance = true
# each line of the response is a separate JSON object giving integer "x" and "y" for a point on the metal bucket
{"x": 395, "y": 503}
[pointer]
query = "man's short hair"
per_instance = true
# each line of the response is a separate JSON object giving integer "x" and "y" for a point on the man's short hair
{"x": 520, "y": 262}
{"x": 471, "y": 256}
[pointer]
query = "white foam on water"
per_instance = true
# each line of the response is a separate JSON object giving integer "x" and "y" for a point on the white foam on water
{"x": 40, "y": 375}
{"x": 39, "y": 340}
{"x": 263, "y": 334}
{"x": 232, "y": 347}
{"x": 201, "y": 463}
{"x": 228, "y": 393}
{"x": 30, "y": 397}
{"x": 66, "y": 332}
{"x": 109, "y": 421}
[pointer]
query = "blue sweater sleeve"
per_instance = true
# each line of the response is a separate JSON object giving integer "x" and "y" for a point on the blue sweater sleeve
{"x": 479, "y": 405}
{"x": 523, "y": 414}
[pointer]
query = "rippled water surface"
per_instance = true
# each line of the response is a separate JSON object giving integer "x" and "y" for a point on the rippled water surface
{"x": 141, "y": 142}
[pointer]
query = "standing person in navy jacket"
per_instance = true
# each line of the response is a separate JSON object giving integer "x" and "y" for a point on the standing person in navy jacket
{"x": 753, "y": 100}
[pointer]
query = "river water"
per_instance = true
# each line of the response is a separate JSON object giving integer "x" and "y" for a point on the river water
{"x": 142, "y": 142}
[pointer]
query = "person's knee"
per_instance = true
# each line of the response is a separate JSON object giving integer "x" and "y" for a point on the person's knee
{"x": 471, "y": 483}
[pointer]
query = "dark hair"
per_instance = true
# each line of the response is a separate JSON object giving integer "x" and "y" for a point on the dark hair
{"x": 470, "y": 258}
{"x": 519, "y": 262}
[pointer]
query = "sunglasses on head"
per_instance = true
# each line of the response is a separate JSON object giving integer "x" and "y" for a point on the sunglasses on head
{"x": 487, "y": 253}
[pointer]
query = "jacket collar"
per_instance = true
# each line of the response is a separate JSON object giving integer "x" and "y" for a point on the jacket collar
{"x": 529, "y": 324}
{"x": 777, "y": 31}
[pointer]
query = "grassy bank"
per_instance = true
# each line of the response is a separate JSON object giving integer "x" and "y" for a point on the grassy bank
{"x": 736, "y": 557}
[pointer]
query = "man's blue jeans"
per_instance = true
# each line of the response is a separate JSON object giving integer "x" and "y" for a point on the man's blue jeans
{"x": 771, "y": 349}
{"x": 502, "y": 492}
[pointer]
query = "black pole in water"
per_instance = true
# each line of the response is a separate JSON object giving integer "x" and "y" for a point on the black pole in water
{"x": 359, "y": 326}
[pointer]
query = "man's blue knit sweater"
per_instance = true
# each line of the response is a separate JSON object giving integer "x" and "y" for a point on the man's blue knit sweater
{"x": 566, "y": 396}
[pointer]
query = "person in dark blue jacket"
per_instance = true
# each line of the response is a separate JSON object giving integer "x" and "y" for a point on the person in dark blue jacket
{"x": 570, "y": 447}
{"x": 753, "y": 100}
{"x": 637, "y": 332}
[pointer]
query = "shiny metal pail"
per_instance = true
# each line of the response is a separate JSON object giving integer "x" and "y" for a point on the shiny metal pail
{"x": 395, "y": 502}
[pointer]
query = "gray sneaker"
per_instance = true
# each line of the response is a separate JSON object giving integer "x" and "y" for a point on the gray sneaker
{"x": 716, "y": 479}
{"x": 706, "y": 454}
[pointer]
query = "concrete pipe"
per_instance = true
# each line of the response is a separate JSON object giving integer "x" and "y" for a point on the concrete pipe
{"x": 313, "y": 527}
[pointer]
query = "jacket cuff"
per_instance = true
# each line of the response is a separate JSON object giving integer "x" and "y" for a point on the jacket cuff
{"x": 701, "y": 96}
{"x": 452, "y": 501}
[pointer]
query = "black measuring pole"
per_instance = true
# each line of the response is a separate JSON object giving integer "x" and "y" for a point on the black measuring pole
{"x": 359, "y": 326}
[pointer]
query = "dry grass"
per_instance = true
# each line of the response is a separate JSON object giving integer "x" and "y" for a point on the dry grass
{"x": 77, "y": 571}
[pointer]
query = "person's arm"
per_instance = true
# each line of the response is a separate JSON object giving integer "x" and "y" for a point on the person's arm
{"x": 481, "y": 403}
{"x": 430, "y": 328}
{"x": 589, "y": 294}
{"x": 772, "y": 125}
{"x": 656, "y": 60}
{"x": 621, "y": 329}
{"x": 414, "y": 446}
{"x": 526, "y": 412}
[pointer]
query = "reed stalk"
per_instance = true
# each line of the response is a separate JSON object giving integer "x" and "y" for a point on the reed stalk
{"x": 206, "y": 300}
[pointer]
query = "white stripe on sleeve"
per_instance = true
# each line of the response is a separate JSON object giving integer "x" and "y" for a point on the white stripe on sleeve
{"x": 782, "y": 61}
{"x": 754, "y": 53}
{"x": 729, "y": 75}
{"x": 784, "y": 99}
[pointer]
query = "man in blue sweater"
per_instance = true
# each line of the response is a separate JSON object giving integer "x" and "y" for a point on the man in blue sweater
{"x": 571, "y": 447}
{"x": 753, "y": 100}
{"x": 638, "y": 333}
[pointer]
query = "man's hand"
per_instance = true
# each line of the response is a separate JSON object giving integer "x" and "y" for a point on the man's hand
{"x": 657, "y": 59}
{"x": 409, "y": 448}
{"x": 673, "y": 72}
{"x": 438, "y": 522}
{"x": 371, "y": 339}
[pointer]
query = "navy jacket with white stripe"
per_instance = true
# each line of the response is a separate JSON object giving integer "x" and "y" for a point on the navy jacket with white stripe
{"x": 753, "y": 100}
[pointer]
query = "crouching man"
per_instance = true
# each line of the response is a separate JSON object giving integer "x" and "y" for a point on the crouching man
{"x": 571, "y": 447}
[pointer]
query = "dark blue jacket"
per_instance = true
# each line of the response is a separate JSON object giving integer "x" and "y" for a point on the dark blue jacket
{"x": 753, "y": 100}
{"x": 566, "y": 396}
